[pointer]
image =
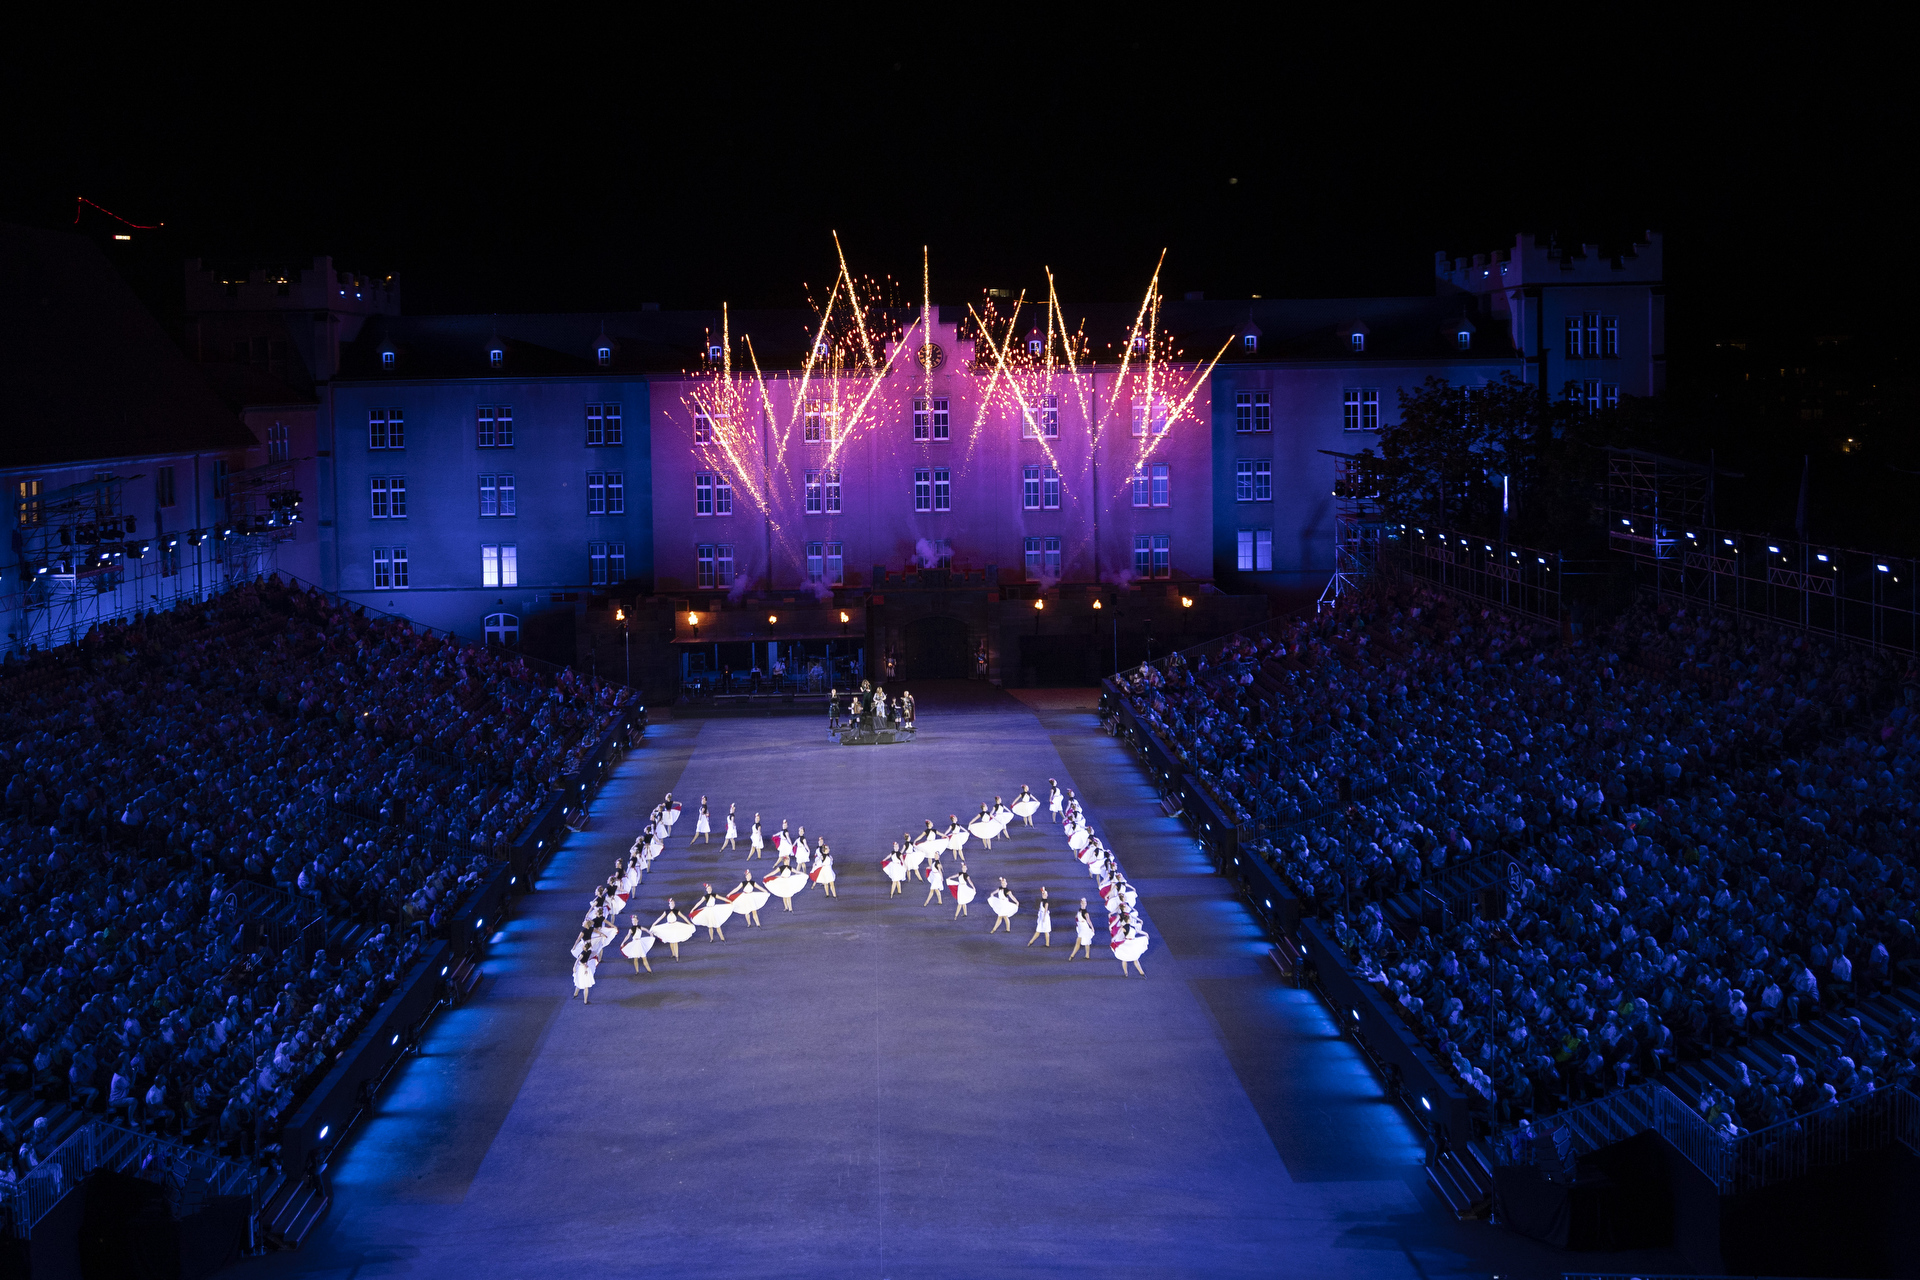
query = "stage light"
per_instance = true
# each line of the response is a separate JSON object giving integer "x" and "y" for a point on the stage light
{"x": 1426, "y": 1104}
{"x": 325, "y": 1129}
{"x": 1774, "y": 549}
{"x": 772, "y": 618}
{"x": 396, "y": 1038}
{"x": 1269, "y": 904}
{"x": 443, "y": 970}
{"x": 1882, "y": 568}
{"x": 1820, "y": 557}
{"x": 478, "y": 923}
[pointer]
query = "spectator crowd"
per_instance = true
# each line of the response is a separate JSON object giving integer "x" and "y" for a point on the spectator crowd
{"x": 1699, "y": 829}
{"x": 349, "y": 768}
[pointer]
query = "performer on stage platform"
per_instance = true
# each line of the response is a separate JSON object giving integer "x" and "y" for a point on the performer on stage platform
{"x": 1129, "y": 943}
{"x": 756, "y": 843}
{"x": 711, "y": 913}
{"x": 1042, "y": 920}
{"x": 701, "y": 825}
{"x": 583, "y": 976}
{"x": 670, "y": 812}
{"x": 823, "y": 873}
{"x": 785, "y": 880}
{"x": 936, "y": 882}
{"x": 983, "y": 826}
{"x": 802, "y": 855}
{"x": 955, "y": 835}
{"x": 895, "y": 865}
{"x": 963, "y": 891}
{"x": 748, "y": 897}
{"x": 1082, "y": 932}
{"x": 1055, "y": 804}
{"x": 733, "y": 832}
{"x": 907, "y": 716}
{"x": 636, "y": 945}
{"x": 1005, "y": 907}
{"x": 1025, "y": 805}
{"x": 1002, "y": 818}
{"x": 833, "y": 712}
{"x": 673, "y": 928}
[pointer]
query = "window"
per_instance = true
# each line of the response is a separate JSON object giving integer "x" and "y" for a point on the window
{"x": 702, "y": 427}
{"x": 1144, "y": 413}
{"x": 604, "y": 355}
{"x": 607, "y": 563}
{"x": 819, "y": 422}
{"x": 814, "y": 499}
{"x": 596, "y": 493}
{"x": 1610, "y": 395}
{"x": 389, "y": 494}
{"x": 499, "y": 565}
{"x": 1142, "y": 555}
{"x": 1253, "y": 411}
{"x": 219, "y": 477}
{"x": 389, "y": 568}
{"x": 932, "y": 419}
{"x": 495, "y": 426}
{"x": 1139, "y": 344}
{"x": 922, "y": 489}
{"x": 723, "y": 563}
{"x": 1592, "y": 320}
{"x": 386, "y": 429}
{"x": 508, "y": 506}
{"x": 163, "y": 490}
{"x": 1361, "y": 409}
{"x": 833, "y": 492}
{"x": 715, "y": 352}
{"x": 1142, "y": 490}
{"x": 386, "y": 359}
{"x": 1359, "y": 342}
{"x": 496, "y": 357}
{"x": 489, "y": 496}
{"x": 1036, "y": 344}
{"x": 816, "y": 560}
{"x": 1162, "y": 556}
{"x": 1250, "y": 342}
{"x": 501, "y": 629}
{"x": 1464, "y": 338}
{"x": 1576, "y": 338}
{"x": 1256, "y": 550}
{"x": 1050, "y": 557}
{"x": 722, "y": 496}
{"x": 1033, "y": 559}
{"x": 277, "y": 442}
{"x": 1253, "y": 480}
{"x": 836, "y": 565}
{"x": 942, "y": 554}
{"x": 1610, "y": 335}
{"x": 603, "y": 424}
{"x": 31, "y": 510}
{"x": 703, "y": 493}
{"x": 1162, "y": 485}
{"x": 1050, "y": 489}
{"x": 1030, "y": 488}
{"x": 1043, "y": 421}
{"x": 942, "y": 489}
{"x": 616, "y": 493}
{"x": 703, "y": 565}
{"x": 617, "y": 562}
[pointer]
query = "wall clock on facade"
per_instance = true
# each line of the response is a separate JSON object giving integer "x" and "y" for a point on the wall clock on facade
{"x": 931, "y": 356}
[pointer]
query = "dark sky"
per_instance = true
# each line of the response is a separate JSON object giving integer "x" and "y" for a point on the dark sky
{"x": 579, "y": 166}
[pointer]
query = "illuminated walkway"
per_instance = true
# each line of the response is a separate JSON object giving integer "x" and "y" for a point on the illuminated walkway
{"x": 866, "y": 1087}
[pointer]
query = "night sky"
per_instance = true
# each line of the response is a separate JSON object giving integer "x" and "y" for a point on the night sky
{"x": 600, "y": 167}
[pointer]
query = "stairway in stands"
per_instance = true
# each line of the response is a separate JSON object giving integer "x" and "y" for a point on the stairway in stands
{"x": 1463, "y": 1180}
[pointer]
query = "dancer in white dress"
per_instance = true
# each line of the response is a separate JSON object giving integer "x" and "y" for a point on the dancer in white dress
{"x": 895, "y": 865}
{"x": 785, "y": 880}
{"x": 748, "y": 897}
{"x": 955, "y": 835}
{"x": 702, "y": 826}
{"x": 711, "y": 913}
{"x": 1042, "y": 919}
{"x": 733, "y": 832}
{"x": 1005, "y": 907}
{"x": 823, "y": 873}
{"x": 670, "y": 811}
{"x": 802, "y": 854}
{"x": 1025, "y": 805}
{"x": 1002, "y": 817}
{"x": 756, "y": 843}
{"x": 583, "y": 976}
{"x": 1054, "y": 799}
{"x": 983, "y": 826}
{"x": 963, "y": 891}
{"x": 1082, "y": 933}
{"x": 673, "y": 928}
{"x": 1129, "y": 943}
{"x": 636, "y": 945}
{"x": 936, "y": 880}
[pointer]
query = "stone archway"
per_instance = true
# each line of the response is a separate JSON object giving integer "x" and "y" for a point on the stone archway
{"x": 936, "y": 649}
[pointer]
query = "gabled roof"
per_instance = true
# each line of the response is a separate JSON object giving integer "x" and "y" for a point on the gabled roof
{"x": 87, "y": 372}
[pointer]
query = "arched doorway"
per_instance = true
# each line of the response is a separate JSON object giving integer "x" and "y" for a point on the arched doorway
{"x": 502, "y": 629}
{"x": 937, "y": 650}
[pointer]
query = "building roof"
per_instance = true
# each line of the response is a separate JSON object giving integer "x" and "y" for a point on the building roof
{"x": 88, "y": 372}
{"x": 668, "y": 342}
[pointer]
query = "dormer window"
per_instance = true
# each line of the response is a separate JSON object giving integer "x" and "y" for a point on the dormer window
{"x": 1464, "y": 338}
{"x": 716, "y": 352}
{"x": 1035, "y": 345}
{"x": 604, "y": 355}
{"x": 1249, "y": 342}
{"x": 1139, "y": 344}
{"x": 1359, "y": 342}
{"x": 820, "y": 350}
{"x": 386, "y": 359}
{"x": 496, "y": 357}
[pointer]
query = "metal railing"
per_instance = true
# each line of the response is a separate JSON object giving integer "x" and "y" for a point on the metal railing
{"x": 1615, "y": 1118}
{"x": 1821, "y": 1139}
{"x": 99, "y": 1145}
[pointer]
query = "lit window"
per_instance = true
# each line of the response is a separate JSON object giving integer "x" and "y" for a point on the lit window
{"x": 1030, "y": 488}
{"x": 821, "y": 350}
{"x": 1464, "y": 338}
{"x": 1050, "y": 489}
{"x": 499, "y": 565}
{"x": 386, "y": 359}
{"x": 703, "y": 493}
{"x": 814, "y": 501}
{"x": 1036, "y": 344}
{"x": 1253, "y": 411}
{"x": 942, "y": 489}
{"x": 716, "y": 352}
{"x": 31, "y": 510}
{"x": 922, "y": 489}
{"x": 496, "y": 357}
{"x": 1139, "y": 344}
{"x": 1255, "y": 550}
{"x": 604, "y": 355}
{"x": 1250, "y": 342}
{"x": 1359, "y": 342}
{"x": 1144, "y": 413}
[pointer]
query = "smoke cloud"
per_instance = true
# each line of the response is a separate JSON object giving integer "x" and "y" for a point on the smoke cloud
{"x": 738, "y": 591}
{"x": 926, "y": 553}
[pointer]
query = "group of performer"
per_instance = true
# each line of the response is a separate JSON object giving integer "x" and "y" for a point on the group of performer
{"x": 1126, "y": 931}
{"x": 796, "y": 866}
{"x": 868, "y": 707}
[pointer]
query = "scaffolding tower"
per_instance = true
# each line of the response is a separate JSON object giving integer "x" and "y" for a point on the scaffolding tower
{"x": 262, "y": 509}
{"x": 1359, "y": 525}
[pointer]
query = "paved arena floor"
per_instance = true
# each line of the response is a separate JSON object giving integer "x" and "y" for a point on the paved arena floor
{"x": 866, "y": 1087}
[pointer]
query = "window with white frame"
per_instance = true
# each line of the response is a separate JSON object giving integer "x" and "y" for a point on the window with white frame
{"x": 836, "y": 564}
{"x": 922, "y": 419}
{"x": 1576, "y": 338}
{"x": 1253, "y": 411}
{"x": 1162, "y": 556}
{"x": 277, "y": 445}
{"x": 1050, "y": 557}
{"x": 606, "y": 563}
{"x": 616, "y": 493}
{"x": 1609, "y": 335}
{"x": 1464, "y": 339}
{"x": 1036, "y": 345}
{"x": 1249, "y": 342}
{"x": 723, "y": 563}
{"x": 702, "y": 426}
{"x": 818, "y": 424}
{"x": 942, "y": 554}
{"x": 499, "y": 565}
{"x": 722, "y": 495}
{"x": 703, "y": 493}
{"x": 830, "y": 490}
{"x": 389, "y": 568}
{"x": 1042, "y": 419}
{"x": 386, "y": 429}
{"x": 1032, "y": 547}
{"x": 942, "y": 489}
{"x": 922, "y": 489}
{"x": 1142, "y": 487}
{"x": 489, "y": 495}
{"x": 496, "y": 357}
{"x": 1255, "y": 550}
{"x": 1253, "y": 480}
{"x": 1030, "y": 488}
{"x": 1162, "y": 485}
{"x": 603, "y": 425}
{"x": 1050, "y": 489}
{"x": 389, "y": 494}
{"x": 1262, "y": 480}
{"x": 716, "y": 352}
{"x": 1360, "y": 409}
{"x": 1592, "y": 322}
{"x": 501, "y": 629}
{"x": 1359, "y": 342}
{"x": 604, "y": 355}
{"x": 703, "y": 565}
{"x": 494, "y": 426}
{"x": 1610, "y": 395}
{"x": 1149, "y": 414}
{"x": 815, "y": 501}
{"x": 509, "y": 506}
{"x": 932, "y": 418}
{"x": 1586, "y": 394}
{"x": 1243, "y": 481}
{"x": 386, "y": 359}
{"x": 1142, "y": 555}
{"x": 596, "y": 493}
{"x": 816, "y": 560}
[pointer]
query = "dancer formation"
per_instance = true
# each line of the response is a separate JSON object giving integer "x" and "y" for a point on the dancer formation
{"x": 920, "y": 856}
{"x": 796, "y": 867}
